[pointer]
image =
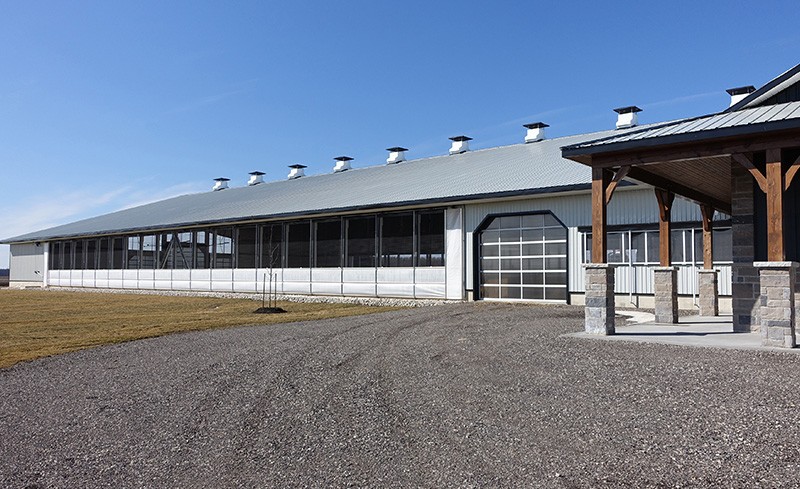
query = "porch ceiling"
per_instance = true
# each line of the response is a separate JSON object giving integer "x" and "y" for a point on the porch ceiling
{"x": 705, "y": 180}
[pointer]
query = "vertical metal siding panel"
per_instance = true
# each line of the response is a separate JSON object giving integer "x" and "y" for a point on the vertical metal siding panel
{"x": 470, "y": 260}
{"x": 724, "y": 280}
{"x": 454, "y": 249}
{"x": 632, "y": 207}
{"x": 572, "y": 210}
{"x": 577, "y": 282}
{"x": 644, "y": 279}
{"x": 687, "y": 280}
{"x": 25, "y": 260}
{"x": 685, "y": 211}
{"x": 622, "y": 279}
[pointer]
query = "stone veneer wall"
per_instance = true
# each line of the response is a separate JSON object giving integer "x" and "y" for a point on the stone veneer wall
{"x": 666, "y": 294}
{"x": 745, "y": 287}
{"x": 778, "y": 283}
{"x": 600, "y": 305}
{"x": 708, "y": 299}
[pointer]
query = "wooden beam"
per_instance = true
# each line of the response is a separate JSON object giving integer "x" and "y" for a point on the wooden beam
{"x": 747, "y": 162}
{"x": 618, "y": 176}
{"x": 708, "y": 237}
{"x": 691, "y": 151}
{"x": 600, "y": 182}
{"x": 644, "y": 176}
{"x": 790, "y": 173}
{"x": 775, "y": 241}
{"x": 665, "y": 199}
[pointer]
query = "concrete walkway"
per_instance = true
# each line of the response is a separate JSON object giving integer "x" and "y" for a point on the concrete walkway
{"x": 699, "y": 331}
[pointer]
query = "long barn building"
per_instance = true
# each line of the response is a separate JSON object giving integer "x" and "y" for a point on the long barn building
{"x": 510, "y": 223}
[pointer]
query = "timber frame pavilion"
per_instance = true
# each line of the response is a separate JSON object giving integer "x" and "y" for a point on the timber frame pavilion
{"x": 741, "y": 162}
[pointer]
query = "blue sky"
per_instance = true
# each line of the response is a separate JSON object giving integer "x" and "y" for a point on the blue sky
{"x": 106, "y": 105}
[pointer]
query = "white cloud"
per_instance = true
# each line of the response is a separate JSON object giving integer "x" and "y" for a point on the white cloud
{"x": 681, "y": 100}
{"x": 61, "y": 207}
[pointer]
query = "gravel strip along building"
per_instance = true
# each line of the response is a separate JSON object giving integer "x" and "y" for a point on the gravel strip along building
{"x": 511, "y": 223}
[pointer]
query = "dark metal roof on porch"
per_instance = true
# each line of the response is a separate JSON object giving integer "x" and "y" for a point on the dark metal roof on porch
{"x": 726, "y": 124}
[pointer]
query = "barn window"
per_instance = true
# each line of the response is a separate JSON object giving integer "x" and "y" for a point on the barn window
{"x": 298, "y": 245}
{"x": 328, "y": 239}
{"x": 397, "y": 240}
{"x": 361, "y": 242}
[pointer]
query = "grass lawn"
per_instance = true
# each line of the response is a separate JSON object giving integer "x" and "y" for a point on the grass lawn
{"x": 36, "y": 323}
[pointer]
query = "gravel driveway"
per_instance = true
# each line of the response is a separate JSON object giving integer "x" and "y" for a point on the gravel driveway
{"x": 462, "y": 395}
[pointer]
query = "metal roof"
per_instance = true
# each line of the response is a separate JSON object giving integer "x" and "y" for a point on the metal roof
{"x": 772, "y": 87}
{"x": 518, "y": 169}
{"x": 770, "y": 117}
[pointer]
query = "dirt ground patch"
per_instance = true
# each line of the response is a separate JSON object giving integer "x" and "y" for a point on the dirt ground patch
{"x": 35, "y": 323}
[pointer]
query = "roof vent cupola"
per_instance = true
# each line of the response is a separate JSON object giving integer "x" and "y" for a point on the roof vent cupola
{"x": 256, "y": 177}
{"x": 397, "y": 154}
{"x": 627, "y": 116}
{"x": 460, "y": 144}
{"x": 296, "y": 172}
{"x": 535, "y": 132}
{"x": 342, "y": 164}
{"x": 222, "y": 183}
{"x": 739, "y": 93}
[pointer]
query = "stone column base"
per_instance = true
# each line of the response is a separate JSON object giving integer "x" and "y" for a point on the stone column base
{"x": 600, "y": 307}
{"x": 666, "y": 294}
{"x": 777, "y": 306}
{"x": 708, "y": 297}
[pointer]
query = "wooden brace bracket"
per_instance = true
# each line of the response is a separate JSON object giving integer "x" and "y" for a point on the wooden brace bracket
{"x": 665, "y": 199}
{"x": 747, "y": 162}
{"x": 618, "y": 176}
{"x": 790, "y": 173}
{"x": 708, "y": 215}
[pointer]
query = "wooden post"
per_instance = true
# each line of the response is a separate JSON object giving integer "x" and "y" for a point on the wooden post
{"x": 774, "y": 177}
{"x": 665, "y": 199}
{"x": 708, "y": 239}
{"x": 600, "y": 181}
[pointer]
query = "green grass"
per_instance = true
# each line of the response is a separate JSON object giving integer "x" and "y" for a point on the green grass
{"x": 37, "y": 323}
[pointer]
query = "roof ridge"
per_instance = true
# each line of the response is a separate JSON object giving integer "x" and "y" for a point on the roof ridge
{"x": 786, "y": 75}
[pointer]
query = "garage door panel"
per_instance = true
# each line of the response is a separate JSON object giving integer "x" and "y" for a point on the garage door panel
{"x": 523, "y": 258}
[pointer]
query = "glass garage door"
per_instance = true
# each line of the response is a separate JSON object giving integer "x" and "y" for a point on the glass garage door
{"x": 524, "y": 258}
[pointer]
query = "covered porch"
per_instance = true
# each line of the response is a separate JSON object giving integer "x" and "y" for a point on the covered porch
{"x": 695, "y": 331}
{"x": 741, "y": 162}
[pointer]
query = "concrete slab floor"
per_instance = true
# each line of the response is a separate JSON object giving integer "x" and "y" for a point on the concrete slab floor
{"x": 698, "y": 331}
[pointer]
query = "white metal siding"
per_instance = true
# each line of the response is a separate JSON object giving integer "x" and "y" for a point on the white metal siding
{"x": 422, "y": 282}
{"x": 577, "y": 277}
{"x": 27, "y": 262}
{"x": 629, "y": 206}
{"x": 454, "y": 254}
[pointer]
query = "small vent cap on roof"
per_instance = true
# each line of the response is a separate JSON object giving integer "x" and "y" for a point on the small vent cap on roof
{"x": 535, "y": 131}
{"x": 256, "y": 177}
{"x": 460, "y": 144}
{"x": 222, "y": 183}
{"x": 627, "y": 116}
{"x": 739, "y": 93}
{"x": 397, "y": 154}
{"x": 296, "y": 172}
{"x": 342, "y": 163}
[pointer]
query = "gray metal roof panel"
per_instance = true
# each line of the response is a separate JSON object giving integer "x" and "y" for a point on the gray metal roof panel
{"x": 519, "y": 168}
{"x": 769, "y": 115}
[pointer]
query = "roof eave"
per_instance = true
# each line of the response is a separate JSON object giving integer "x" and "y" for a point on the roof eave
{"x": 310, "y": 214}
